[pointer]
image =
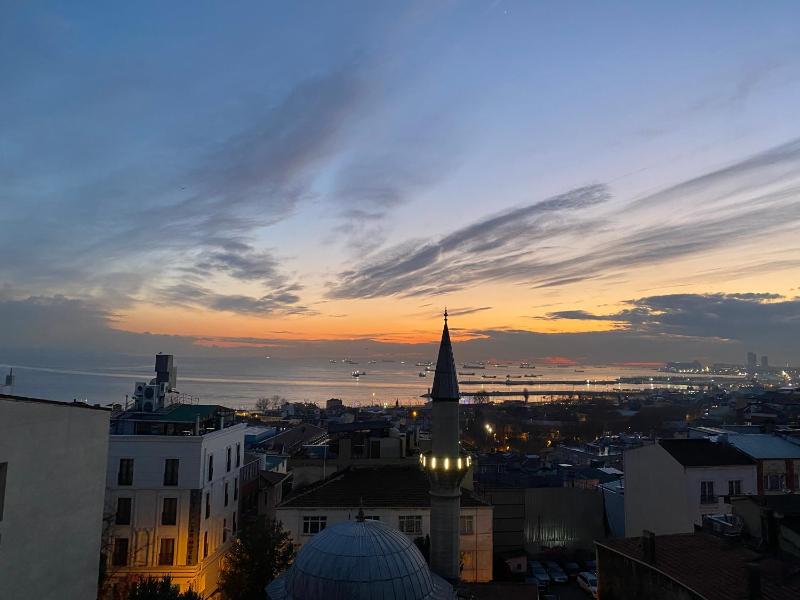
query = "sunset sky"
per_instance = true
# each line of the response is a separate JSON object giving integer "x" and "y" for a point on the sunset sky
{"x": 624, "y": 178}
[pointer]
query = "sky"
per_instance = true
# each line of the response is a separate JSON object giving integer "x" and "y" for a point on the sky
{"x": 610, "y": 181}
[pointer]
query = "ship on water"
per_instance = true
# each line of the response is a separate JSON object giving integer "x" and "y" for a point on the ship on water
{"x": 477, "y": 365}
{"x": 358, "y": 373}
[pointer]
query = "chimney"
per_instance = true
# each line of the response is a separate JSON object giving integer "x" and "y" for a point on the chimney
{"x": 649, "y": 546}
{"x": 753, "y": 581}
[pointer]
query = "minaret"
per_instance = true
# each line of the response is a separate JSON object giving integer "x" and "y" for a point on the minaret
{"x": 445, "y": 464}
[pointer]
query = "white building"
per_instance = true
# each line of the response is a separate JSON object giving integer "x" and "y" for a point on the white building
{"x": 399, "y": 498}
{"x": 671, "y": 484}
{"x": 52, "y": 469}
{"x": 172, "y": 498}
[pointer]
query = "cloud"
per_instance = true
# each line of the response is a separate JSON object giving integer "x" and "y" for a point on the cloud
{"x": 553, "y": 243}
{"x": 764, "y": 319}
{"x": 487, "y": 250}
{"x": 198, "y": 208}
{"x": 468, "y": 310}
{"x": 282, "y": 300}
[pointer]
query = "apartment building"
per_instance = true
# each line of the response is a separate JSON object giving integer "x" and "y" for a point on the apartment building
{"x": 671, "y": 484}
{"x": 172, "y": 492}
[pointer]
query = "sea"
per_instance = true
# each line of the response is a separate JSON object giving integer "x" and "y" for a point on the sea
{"x": 238, "y": 382}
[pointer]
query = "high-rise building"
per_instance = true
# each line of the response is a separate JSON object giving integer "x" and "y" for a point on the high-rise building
{"x": 765, "y": 361}
{"x": 751, "y": 361}
{"x": 445, "y": 464}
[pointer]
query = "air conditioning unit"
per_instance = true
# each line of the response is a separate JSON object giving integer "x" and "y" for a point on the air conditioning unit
{"x": 138, "y": 389}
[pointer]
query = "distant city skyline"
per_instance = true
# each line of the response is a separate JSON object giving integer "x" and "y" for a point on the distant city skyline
{"x": 597, "y": 182}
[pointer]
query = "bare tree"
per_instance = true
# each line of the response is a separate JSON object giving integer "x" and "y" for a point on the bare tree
{"x": 271, "y": 403}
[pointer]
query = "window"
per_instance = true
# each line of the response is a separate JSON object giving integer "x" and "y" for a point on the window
{"x": 125, "y": 474}
{"x": 171, "y": 471}
{"x": 208, "y": 504}
{"x": 3, "y": 470}
{"x": 119, "y": 558}
{"x": 228, "y": 460}
{"x": 312, "y": 525}
{"x": 411, "y": 524}
{"x": 166, "y": 554}
{"x": 205, "y": 544}
{"x": 235, "y": 488}
{"x": 224, "y": 530}
{"x": 123, "y": 516}
{"x": 238, "y": 454}
{"x": 775, "y": 481}
{"x": 735, "y": 487}
{"x": 226, "y": 493}
{"x": 466, "y": 524}
{"x": 707, "y": 492}
{"x": 210, "y": 467}
{"x": 169, "y": 515}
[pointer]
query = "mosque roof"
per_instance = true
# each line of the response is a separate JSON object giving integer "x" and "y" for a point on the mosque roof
{"x": 362, "y": 560}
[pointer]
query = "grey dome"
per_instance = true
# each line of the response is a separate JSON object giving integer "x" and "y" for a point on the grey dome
{"x": 363, "y": 560}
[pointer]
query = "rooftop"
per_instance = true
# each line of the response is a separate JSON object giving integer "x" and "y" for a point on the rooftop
{"x": 73, "y": 404}
{"x": 764, "y": 446}
{"x": 710, "y": 566}
{"x": 177, "y": 413}
{"x": 704, "y": 453}
{"x": 384, "y": 486}
{"x": 359, "y": 559}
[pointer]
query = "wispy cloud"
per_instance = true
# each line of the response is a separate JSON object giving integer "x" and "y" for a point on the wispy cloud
{"x": 487, "y": 250}
{"x": 552, "y": 244}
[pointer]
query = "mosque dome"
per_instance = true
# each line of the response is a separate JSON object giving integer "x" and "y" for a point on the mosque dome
{"x": 365, "y": 560}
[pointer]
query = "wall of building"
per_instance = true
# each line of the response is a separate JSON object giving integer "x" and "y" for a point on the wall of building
{"x": 562, "y": 518}
{"x": 476, "y": 549}
{"x": 656, "y": 496}
{"x": 720, "y": 476}
{"x": 191, "y": 566}
{"x": 55, "y": 456}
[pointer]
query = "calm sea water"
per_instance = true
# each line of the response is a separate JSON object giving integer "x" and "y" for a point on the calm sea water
{"x": 239, "y": 382}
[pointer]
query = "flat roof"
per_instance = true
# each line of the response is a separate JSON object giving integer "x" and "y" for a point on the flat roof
{"x": 702, "y": 452}
{"x": 73, "y": 404}
{"x": 764, "y": 446}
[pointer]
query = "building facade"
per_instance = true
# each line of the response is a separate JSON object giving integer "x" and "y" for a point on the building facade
{"x": 398, "y": 497}
{"x": 172, "y": 501}
{"x": 671, "y": 484}
{"x": 52, "y": 481}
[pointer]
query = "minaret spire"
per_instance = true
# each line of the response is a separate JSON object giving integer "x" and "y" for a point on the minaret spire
{"x": 445, "y": 381}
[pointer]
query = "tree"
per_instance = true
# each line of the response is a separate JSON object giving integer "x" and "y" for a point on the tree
{"x": 271, "y": 403}
{"x": 481, "y": 398}
{"x": 159, "y": 589}
{"x": 262, "y": 551}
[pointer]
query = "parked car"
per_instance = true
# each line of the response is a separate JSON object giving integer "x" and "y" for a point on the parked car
{"x": 534, "y": 564}
{"x": 557, "y": 575}
{"x": 591, "y": 565}
{"x": 549, "y": 597}
{"x": 551, "y": 564}
{"x": 572, "y": 569}
{"x": 588, "y": 583}
{"x": 541, "y": 575}
{"x": 540, "y": 585}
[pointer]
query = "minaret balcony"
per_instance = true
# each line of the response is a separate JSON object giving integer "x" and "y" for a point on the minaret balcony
{"x": 445, "y": 472}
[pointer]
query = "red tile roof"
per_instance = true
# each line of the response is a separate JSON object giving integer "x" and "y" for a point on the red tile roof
{"x": 714, "y": 568}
